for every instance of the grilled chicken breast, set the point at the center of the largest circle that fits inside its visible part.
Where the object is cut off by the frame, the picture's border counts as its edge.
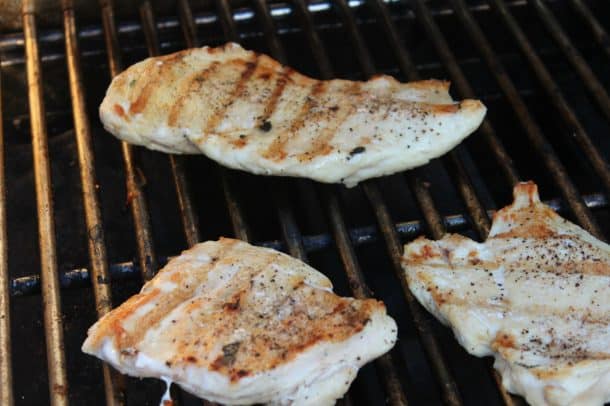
(247, 111)
(534, 295)
(239, 324)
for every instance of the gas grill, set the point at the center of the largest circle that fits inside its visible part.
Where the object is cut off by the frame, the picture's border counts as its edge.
(85, 219)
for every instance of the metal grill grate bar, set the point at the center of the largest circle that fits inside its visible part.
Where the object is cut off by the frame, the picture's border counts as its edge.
(187, 22)
(601, 36)
(56, 363)
(240, 228)
(6, 370)
(555, 96)
(100, 277)
(290, 230)
(226, 20)
(588, 78)
(135, 193)
(262, 11)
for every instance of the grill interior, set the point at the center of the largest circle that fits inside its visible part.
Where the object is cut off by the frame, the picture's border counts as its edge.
(84, 220)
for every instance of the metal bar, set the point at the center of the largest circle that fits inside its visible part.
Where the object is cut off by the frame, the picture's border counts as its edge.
(424, 200)
(78, 278)
(262, 10)
(240, 228)
(553, 91)
(532, 130)
(600, 34)
(475, 209)
(187, 22)
(226, 20)
(312, 36)
(185, 203)
(6, 368)
(54, 335)
(135, 192)
(290, 230)
(357, 41)
(93, 218)
(589, 80)
(449, 389)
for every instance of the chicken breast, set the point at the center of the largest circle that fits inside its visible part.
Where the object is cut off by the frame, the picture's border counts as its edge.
(534, 295)
(239, 324)
(247, 111)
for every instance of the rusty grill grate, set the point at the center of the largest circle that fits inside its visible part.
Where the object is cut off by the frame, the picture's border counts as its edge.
(541, 66)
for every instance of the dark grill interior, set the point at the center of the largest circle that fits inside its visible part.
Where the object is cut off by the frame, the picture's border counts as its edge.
(118, 212)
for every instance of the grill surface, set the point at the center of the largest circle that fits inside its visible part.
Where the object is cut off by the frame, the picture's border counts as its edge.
(107, 215)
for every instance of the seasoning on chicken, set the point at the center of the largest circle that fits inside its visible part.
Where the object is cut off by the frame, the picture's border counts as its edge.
(247, 111)
(534, 295)
(239, 324)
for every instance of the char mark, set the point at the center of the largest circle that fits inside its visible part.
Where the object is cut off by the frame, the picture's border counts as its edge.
(336, 117)
(159, 70)
(236, 93)
(276, 150)
(280, 85)
(193, 84)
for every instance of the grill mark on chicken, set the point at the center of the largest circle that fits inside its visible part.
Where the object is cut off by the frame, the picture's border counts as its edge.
(140, 103)
(193, 84)
(321, 144)
(276, 150)
(233, 95)
(283, 78)
(165, 64)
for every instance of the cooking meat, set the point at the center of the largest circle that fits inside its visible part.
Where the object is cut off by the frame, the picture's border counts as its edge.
(239, 324)
(534, 295)
(247, 111)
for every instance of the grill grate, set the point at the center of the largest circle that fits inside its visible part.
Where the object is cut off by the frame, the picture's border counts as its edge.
(322, 227)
